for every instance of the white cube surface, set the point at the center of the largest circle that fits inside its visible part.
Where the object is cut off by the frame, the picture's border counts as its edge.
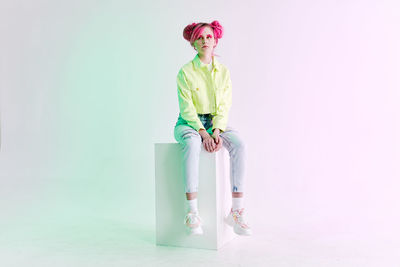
(214, 198)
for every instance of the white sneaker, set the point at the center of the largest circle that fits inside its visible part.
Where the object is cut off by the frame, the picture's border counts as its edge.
(193, 223)
(236, 219)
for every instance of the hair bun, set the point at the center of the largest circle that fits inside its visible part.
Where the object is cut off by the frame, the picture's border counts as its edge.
(187, 32)
(218, 30)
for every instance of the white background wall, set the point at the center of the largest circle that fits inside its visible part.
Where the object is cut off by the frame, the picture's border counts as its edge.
(88, 87)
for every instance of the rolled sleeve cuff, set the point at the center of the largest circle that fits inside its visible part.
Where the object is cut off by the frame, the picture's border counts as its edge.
(220, 123)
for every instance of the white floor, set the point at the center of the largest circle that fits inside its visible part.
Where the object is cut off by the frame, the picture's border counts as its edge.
(106, 243)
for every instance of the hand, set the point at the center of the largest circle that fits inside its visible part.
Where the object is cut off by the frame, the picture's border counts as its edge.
(208, 141)
(217, 139)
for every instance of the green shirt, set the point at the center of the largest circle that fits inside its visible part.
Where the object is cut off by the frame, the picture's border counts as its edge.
(201, 91)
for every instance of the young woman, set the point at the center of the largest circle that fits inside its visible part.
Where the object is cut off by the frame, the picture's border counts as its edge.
(205, 98)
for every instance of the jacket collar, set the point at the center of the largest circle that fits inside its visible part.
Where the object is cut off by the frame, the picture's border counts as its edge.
(198, 64)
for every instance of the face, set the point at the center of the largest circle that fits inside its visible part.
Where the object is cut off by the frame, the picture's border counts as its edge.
(205, 43)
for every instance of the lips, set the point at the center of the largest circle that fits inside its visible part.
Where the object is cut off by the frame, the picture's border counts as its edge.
(204, 46)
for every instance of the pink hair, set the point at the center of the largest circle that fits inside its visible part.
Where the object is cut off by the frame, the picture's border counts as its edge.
(194, 30)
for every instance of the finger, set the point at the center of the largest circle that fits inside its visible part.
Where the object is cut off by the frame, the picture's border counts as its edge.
(209, 149)
(218, 147)
(206, 146)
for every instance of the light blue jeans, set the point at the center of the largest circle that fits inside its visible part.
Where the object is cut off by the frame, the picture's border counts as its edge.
(191, 143)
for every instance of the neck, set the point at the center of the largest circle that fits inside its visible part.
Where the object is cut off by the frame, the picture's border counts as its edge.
(206, 59)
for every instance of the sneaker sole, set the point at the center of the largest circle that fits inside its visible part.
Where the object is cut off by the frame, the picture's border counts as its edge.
(194, 231)
(240, 231)
(236, 229)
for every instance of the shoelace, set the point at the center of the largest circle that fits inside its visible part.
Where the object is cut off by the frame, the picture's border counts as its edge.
(238, 216)
(191, 218)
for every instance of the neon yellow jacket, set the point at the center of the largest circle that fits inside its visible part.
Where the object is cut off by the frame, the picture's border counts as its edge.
(201, 91)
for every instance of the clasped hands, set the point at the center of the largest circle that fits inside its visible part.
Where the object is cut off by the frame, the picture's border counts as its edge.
(211, 143)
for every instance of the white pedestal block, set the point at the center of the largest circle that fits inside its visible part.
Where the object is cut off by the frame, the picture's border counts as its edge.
(214, 198)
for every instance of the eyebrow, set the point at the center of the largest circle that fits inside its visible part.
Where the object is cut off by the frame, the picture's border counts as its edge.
(206, 36)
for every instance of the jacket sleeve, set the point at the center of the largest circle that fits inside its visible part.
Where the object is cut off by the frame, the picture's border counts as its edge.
(186, 106)
(220, 120)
